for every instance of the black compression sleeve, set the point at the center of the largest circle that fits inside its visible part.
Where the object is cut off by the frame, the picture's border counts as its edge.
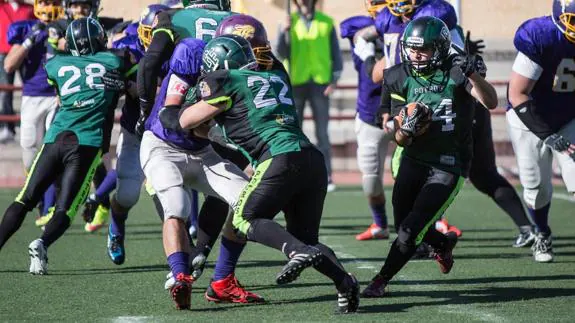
(527, 112)
(369, 65)
(158, 53)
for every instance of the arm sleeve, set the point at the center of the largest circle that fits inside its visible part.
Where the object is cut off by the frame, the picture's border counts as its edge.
(337, 61)
(283, 46)
(150, 65)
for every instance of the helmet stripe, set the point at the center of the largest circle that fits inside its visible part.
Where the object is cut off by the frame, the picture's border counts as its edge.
(89, 36)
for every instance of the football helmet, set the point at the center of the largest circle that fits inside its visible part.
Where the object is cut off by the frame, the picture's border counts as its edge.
(254, 31)
(564, 17)
(228, 52)
(147, 22)
(172, 3)
(426, 33)
(223, 5)
(48, 10)
(375, 6)
(403, 7)
(94, 8)
(85, 36)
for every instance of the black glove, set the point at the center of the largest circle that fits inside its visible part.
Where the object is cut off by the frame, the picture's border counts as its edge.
(417, 123)
(557, 142)
(472, 64)
(114, 81)
(35, 35)
(170, 117)
(473, 47)
(141, 125)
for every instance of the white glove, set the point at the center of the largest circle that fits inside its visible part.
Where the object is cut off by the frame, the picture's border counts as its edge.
(217, 135)
(364, 49)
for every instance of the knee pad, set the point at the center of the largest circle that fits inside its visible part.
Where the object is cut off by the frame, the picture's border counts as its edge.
(372, 185)
(175, 202)
(405, 240)
(537, 197)
(128, 192)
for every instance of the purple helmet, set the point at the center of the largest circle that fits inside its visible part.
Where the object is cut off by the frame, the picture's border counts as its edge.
(253, 30)
(147, 22)
(564, 17)
(172, 3)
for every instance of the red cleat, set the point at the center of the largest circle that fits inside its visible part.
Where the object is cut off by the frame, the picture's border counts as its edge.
(443, 226)
(372, 233)
(445, 257)
(181, 291)
(229, 290)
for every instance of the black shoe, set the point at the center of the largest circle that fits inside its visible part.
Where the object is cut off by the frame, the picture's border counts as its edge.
(377, 288)
(90, 207)
(348, 295)
(299, 260)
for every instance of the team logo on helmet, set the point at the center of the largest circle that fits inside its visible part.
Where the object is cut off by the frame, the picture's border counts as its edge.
(245, 31)
(445, 32)
(210, 60)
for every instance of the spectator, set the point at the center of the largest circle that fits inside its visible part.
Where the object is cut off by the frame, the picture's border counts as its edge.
(10, 11)
(310, 44)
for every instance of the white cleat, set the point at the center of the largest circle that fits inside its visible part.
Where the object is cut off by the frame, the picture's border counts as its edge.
(542, 248)
(38, 257)
(170, 281)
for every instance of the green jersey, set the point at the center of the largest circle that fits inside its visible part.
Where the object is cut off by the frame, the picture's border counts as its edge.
(193, 22)
(446, 145)
(259, 115)
(84, 103)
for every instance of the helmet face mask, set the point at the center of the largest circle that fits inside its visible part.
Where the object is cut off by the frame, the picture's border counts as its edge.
(146, 23)
(48, 10)
(223, 5)
(564, 17)
(403, 7)
(373, 7)
(85, 36)
(228, 52)
(425, 34)
(253, 31)
(76, 9)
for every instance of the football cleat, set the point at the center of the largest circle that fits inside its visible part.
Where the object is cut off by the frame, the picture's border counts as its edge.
(443, 226)
(348, 295)
(43, 220)
(423, 251)
(524, 239)
(99, 220)
(377, 288)
(38, 257)
(229, 290)
(196, 267)
(182, 291)
(116, 250)
(445, 257)
(90, 207)
(374, 232)
(299, 260)
(543, 248)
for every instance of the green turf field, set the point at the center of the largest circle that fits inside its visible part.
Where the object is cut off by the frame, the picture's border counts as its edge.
(490, 282)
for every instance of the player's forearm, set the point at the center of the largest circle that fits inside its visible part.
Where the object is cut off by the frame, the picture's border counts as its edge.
(151, 64)
(15, 58)
(483, 91)
(377, 71)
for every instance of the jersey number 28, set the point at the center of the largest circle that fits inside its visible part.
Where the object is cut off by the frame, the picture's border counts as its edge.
(92, 71)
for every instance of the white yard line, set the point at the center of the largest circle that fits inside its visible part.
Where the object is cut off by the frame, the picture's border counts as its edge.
(563, 196)
(468, 310)
(132, 319)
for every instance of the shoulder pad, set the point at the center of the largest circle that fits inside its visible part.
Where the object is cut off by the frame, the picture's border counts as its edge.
(440, 9)
(352, 25)
(187, 57)
(18, 31)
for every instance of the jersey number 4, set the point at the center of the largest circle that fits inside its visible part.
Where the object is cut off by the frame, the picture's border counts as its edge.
(260, 100)
(92, 71)
(444, 112)
(565, 76)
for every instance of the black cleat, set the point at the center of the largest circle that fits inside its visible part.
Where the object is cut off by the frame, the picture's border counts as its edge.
(377, 288)
(299, 260)
(348, 295)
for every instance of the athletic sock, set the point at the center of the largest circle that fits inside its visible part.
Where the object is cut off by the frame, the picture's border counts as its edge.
(330, 266)
(11, 222)
(49, 199)
(508, 200)
(541, 217)
(118, 223)
(178, 262)
(378, 214)
(230, 252)
(106, 187)
(395, 260)
(56, 227)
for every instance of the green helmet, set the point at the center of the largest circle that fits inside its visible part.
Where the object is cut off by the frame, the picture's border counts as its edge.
(426, 33)
(85, 36)
(223, 5)
(228, 52)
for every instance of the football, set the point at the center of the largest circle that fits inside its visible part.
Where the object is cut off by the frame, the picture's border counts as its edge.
(422, 109)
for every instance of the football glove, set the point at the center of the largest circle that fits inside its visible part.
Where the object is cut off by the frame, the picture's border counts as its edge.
(559, 143)
(35, 35)
(473, 47)
(472, 64)
(364, 49)
(417, 123)
(217, 135)
(114, 81)
(140, 127)
(170, 117)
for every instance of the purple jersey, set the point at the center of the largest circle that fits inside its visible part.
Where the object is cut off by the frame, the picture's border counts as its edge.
(34, 78)
(132, 29)
(131, 109)
(541, 41)
(185, 63)
(369, 93)
(391, 27)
